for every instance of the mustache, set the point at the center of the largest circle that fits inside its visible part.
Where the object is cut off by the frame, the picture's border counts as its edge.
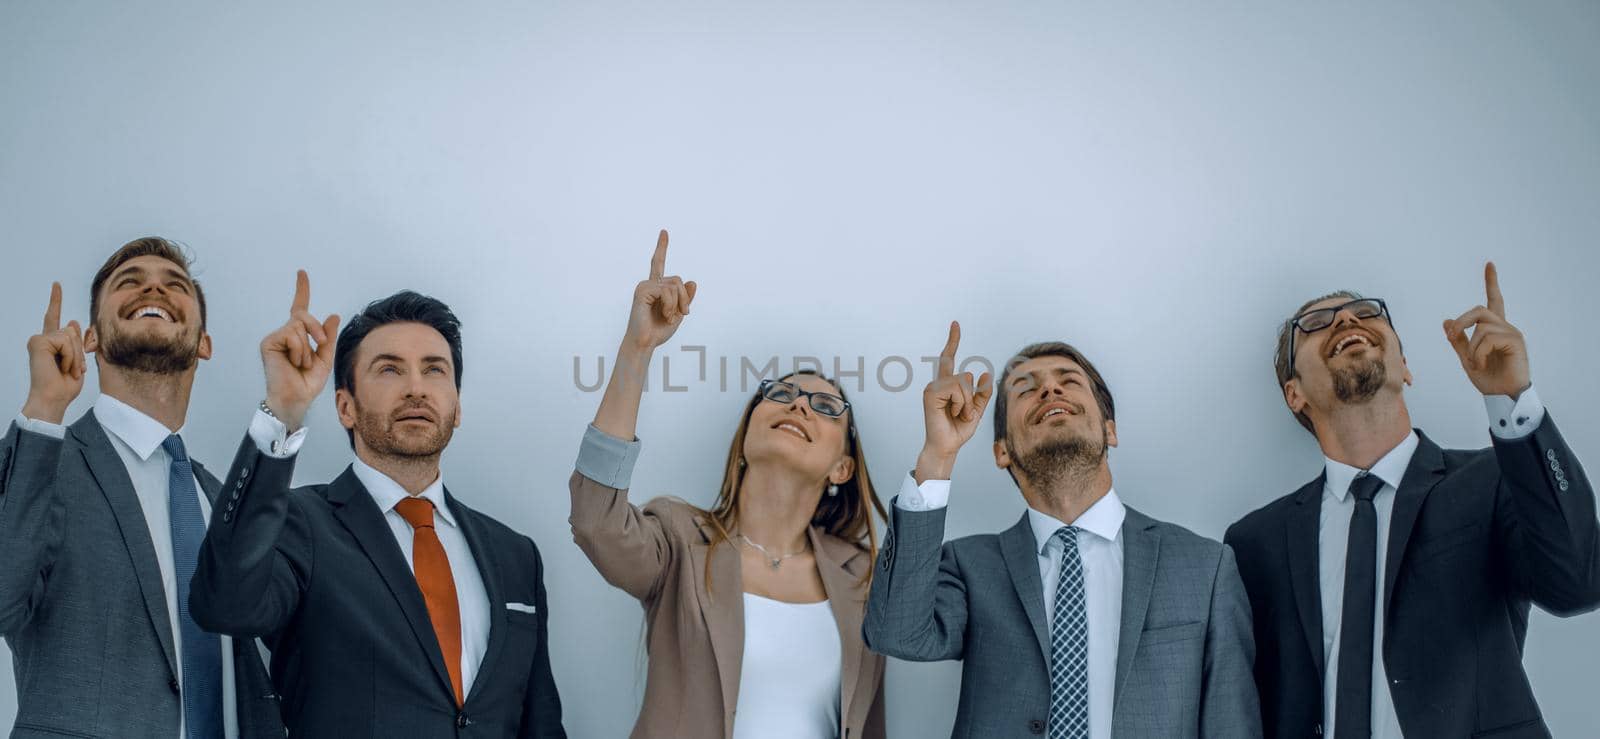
(415, 408)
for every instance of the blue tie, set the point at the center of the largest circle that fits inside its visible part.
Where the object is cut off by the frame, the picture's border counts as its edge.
(1069, 645)
(202, 652)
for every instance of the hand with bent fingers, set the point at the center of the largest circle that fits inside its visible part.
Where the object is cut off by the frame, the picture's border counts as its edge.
(1495, 356)
(296, 369)
(952, 406)
(56, 365)
(659, 304)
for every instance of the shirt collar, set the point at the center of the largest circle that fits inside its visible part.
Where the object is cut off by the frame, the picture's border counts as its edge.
(1103, 519)
(1391, 468)
(388, 493)
(140, 432)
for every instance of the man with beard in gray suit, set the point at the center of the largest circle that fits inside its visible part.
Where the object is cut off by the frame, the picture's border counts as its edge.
(1086, 618)
(101, 522)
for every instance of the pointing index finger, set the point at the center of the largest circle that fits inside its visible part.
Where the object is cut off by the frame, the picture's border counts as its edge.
(658, 262)
(947, 358)
(1491, 286)
(302, 292)
(52, 313)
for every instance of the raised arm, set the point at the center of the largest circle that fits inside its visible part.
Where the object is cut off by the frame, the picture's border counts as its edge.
(29, 454)
(257, 555)
(627, 545)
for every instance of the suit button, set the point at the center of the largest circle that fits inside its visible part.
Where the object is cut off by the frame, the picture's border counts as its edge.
(173, 683)
(1550, 454)
(235, 495)
(1563, 486)
(462, 721)
(244, 472)
(1036, 726)
(1317, 729)
(227, 517)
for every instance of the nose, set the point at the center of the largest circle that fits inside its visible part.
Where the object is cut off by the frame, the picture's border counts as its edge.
(415, 388)
(1345, 316)
(800, 405)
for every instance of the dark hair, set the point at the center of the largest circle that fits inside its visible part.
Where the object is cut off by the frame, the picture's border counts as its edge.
(405, 306)
(1097, 384)
(148, 246)
(1280, 358)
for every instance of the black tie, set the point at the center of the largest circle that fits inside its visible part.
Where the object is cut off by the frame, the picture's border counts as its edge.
(1353, 699)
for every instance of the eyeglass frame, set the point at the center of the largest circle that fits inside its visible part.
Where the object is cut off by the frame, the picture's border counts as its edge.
(1383, 312)
(806, 394)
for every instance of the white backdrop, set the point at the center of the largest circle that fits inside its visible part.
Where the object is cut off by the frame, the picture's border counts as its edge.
(1158, 185)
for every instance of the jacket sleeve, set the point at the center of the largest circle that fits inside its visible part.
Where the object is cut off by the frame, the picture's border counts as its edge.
(257, 556)
(31, 519)
(917, 609)
(629, 546)
(1545, 521)
(1229, 705)
(542, 707)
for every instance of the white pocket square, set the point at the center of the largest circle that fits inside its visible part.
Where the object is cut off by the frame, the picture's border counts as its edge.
(523, 607)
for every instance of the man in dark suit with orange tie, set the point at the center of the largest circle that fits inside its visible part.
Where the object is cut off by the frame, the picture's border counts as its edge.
(1391, 594)
(392, 609)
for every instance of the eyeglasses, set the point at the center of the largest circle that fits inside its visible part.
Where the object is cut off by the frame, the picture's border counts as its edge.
(1313, 321)
(827, 404)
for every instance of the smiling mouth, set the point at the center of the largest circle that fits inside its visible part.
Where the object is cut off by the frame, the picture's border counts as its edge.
(152, 312)
(1351, 340)
(1057, 410)
(792, 428)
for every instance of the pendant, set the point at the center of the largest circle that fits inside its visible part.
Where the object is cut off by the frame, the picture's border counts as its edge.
(775, 564)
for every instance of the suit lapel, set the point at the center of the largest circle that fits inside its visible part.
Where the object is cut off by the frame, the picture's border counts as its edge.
(1422, 474)
(1141, 553)
(489, 570)
(209, 484)
(358, 512)
(1021, 554)
(845, 600)
(1300, 541)
(723, 611)
(117, 488)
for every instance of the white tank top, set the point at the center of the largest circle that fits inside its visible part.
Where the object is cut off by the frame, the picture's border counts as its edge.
(789, 680)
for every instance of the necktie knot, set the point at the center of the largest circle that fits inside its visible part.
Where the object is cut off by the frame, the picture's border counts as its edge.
(1366, 486)
(1067, 536)
(416, 511)
(173, 445)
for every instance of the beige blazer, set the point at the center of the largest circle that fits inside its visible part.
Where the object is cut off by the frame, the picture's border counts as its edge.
(696, 642)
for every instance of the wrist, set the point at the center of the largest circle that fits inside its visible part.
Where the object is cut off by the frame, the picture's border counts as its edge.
(291, 415)
(933, 464)
(40, 410)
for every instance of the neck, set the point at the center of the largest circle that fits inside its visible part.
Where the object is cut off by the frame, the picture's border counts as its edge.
(1359, 435)
(1066, 498)
(414, 474)
(162, 397)
(776, 505)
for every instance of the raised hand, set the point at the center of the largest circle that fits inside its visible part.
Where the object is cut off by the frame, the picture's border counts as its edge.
(659, 304)
(1495, 356)
(952, 406)
(296, 369)
(55, 365)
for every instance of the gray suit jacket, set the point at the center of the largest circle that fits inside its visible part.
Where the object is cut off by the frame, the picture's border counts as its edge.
(82, 605)
(1183, 659)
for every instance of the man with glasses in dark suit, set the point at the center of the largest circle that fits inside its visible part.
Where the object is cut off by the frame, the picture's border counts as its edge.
(1391, 594)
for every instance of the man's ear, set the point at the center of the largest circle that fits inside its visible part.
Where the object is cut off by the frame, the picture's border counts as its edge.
(91, 340)
(1293, 397)
(346, 405)
(1002, 458)
(204, 350)
(1405, 370)
(1111, 433)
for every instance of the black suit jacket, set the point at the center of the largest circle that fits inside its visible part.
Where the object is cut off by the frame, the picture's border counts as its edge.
(1474, 538)
(82, 604)
(316, 572)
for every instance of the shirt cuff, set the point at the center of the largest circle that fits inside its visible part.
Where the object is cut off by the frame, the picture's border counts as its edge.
(931, 495)
(1511, 420)
(607, 459)
(43, 428)
(272, 438)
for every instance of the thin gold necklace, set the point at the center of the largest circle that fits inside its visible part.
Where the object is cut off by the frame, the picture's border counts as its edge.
(772, 561)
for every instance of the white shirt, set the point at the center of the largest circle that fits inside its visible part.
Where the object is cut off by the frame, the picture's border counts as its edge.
(1100, 551)
(789, 678)
(272, 438)
(137, 439)
(1507, 420)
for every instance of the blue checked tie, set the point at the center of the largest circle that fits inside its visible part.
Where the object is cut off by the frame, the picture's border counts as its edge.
(202, 652)
(1069, 645)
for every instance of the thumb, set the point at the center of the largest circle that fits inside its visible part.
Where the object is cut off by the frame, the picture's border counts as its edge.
(1458, 342)
(330, 328)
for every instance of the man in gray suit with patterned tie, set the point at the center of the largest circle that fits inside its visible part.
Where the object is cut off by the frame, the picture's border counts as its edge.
(101, 522)
(1087, 619)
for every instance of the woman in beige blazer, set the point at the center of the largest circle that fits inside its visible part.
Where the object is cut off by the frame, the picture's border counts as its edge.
(753, 609)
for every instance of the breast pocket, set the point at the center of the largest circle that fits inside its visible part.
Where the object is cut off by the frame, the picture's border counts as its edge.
(1171, 633)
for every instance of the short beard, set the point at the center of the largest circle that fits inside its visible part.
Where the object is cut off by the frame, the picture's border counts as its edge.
(148, 354)
(378, 433)
(1360, 382)
(1060, 461)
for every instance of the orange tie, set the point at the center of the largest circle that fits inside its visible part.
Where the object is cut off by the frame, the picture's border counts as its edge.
(432, 569)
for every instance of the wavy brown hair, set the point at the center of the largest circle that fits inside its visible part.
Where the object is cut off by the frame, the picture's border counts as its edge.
(848, 515)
